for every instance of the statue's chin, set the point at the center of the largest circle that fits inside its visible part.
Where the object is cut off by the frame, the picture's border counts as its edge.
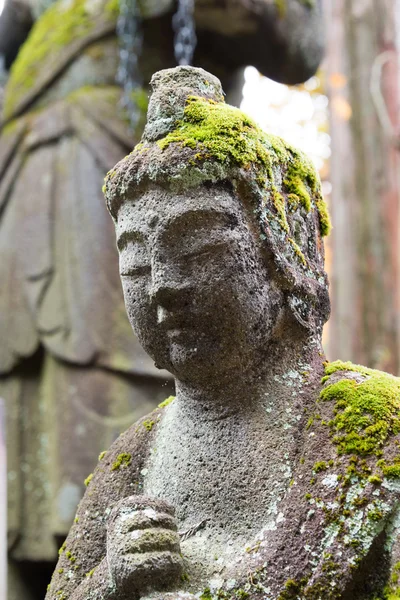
(196, 360)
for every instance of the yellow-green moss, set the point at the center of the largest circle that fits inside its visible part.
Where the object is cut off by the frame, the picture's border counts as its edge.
(102, 454)
(320, 466)
(70, 556)
(366, 413)
(123, 460)
(148, 425)
(88, 479)
(225, 134)
(366, 416)
(89, 574)
(61, 549)
(112, 7)
(298, 174)
(60, 25)
(219, 130)
(392, 590)
(166, 401)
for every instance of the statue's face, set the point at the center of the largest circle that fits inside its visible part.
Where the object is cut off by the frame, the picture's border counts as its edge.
(196, 284)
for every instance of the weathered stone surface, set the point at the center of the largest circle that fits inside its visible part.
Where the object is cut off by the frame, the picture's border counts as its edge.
(283, 469)
(72, 378)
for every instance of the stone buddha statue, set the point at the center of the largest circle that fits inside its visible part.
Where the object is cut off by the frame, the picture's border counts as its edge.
(72, 373)
(272, 474)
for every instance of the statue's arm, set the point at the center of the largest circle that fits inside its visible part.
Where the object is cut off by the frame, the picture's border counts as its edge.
(16, 21)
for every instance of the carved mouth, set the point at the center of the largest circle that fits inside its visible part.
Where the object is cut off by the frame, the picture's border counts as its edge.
(174, 324)
(177, 332)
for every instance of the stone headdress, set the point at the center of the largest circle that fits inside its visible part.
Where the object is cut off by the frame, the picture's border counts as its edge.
(193, 138)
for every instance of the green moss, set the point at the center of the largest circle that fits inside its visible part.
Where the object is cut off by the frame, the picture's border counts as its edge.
(166, 402)
(220, 131)
(61, 549)
(366, 413)
(148, 425)
(88, 479)
(391, 471)
(214, 130)
(90, 573)
(320, 466)
(297, 251)
(123, 460)
(61, 24)
(70, 556)
(102, 454)
(297, 175)
(206, 595)
(112, 8)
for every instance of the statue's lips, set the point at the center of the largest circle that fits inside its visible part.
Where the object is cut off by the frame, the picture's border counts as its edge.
(175, 324)
(176, 334)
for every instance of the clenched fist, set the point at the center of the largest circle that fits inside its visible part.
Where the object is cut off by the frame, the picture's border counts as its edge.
(143, 549)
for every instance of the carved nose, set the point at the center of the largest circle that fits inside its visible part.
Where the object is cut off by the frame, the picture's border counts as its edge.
(170, 296)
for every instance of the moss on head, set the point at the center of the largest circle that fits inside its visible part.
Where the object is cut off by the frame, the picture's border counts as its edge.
(218, 132)
(226, 134)
(191, 140)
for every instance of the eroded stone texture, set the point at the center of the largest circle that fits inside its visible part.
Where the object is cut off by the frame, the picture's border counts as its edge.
(72, 373)
(283, 469)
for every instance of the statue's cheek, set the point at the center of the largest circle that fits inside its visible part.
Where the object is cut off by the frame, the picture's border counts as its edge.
(137, 301)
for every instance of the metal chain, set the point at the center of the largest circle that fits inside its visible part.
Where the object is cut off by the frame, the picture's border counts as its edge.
(185, 32)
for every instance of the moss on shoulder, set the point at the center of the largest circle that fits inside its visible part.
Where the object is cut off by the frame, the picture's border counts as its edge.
(166, 402)
(366, 413)
(123, 460)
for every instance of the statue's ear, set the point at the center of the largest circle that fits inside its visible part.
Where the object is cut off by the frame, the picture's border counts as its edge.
(309, 307)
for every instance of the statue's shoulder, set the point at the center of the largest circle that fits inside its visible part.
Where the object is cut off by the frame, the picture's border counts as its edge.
(364, 409)
(118, 474)
(122, 464)
(350, 479)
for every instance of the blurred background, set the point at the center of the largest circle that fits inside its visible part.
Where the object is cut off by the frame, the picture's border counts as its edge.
(73, 91)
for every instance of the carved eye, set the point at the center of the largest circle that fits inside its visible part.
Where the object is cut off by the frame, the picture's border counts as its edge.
(136, 271)
(134, 261)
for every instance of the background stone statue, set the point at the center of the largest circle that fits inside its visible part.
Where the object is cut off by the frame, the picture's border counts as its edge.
(72, 373)
(273, 474)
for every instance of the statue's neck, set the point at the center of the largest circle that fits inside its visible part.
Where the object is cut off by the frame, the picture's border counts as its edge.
(285, 372)
(226, 453)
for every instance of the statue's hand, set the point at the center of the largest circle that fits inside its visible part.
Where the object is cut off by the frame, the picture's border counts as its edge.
(143, 549)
